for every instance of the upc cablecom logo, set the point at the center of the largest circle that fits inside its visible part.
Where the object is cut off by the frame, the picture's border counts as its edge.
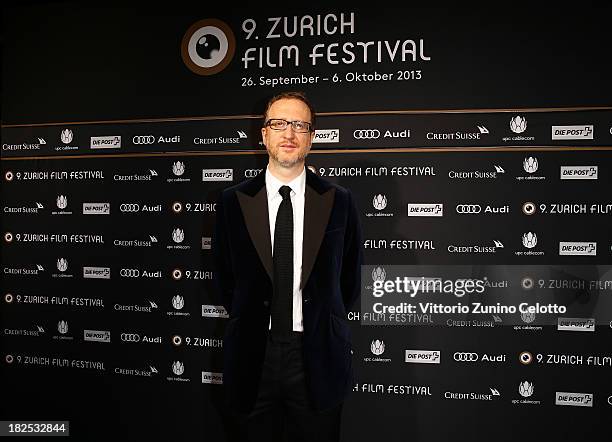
(208, 46)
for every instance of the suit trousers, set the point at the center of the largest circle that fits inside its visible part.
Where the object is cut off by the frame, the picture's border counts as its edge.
(283, 411)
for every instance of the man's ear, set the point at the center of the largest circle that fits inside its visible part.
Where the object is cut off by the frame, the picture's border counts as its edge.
(263, 135)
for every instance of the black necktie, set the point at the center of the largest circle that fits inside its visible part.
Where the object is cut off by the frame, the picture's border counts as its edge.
(282, 257)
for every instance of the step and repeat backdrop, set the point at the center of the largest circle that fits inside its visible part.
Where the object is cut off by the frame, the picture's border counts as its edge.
(478, 150)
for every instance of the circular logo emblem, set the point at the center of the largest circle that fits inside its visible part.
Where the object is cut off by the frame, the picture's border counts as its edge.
(177, 274)
(208, 46)
(177, 207)
(8, 298)
(529, 208)
(525, 358)
(177, 340)
(8, 237)
(527, 283)
(8, 175)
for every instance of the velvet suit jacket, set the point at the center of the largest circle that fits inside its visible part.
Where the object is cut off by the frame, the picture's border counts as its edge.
(330, 283)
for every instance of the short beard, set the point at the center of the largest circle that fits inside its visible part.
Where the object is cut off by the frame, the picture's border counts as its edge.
(288, 164)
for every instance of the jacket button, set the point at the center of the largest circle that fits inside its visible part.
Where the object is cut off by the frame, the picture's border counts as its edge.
(266, 303)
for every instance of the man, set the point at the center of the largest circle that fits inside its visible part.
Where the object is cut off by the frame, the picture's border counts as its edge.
(288, 253)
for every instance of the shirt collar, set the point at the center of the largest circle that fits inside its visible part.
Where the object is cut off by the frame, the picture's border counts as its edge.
(298, 184)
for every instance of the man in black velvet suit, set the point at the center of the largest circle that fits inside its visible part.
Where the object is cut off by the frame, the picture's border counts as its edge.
(288, 254)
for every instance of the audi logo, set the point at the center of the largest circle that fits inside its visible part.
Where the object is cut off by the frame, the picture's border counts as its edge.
(130, 337)
(129, 207)
(366, 134)
(465, 357)
(143, 139)
(129, 273)
(468, 208)
(250, 173)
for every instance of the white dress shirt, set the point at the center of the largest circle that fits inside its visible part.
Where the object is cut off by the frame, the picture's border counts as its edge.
(298, 188)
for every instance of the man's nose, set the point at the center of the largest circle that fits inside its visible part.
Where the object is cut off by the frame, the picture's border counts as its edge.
(289, 132)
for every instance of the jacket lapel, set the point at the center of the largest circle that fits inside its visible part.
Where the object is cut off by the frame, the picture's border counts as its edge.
(254, 204)
(318, 203)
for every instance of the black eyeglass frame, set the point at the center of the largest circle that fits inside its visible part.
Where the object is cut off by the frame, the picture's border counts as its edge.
(287, 123)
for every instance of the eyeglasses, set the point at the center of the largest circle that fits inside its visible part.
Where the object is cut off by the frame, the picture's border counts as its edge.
(297, 125)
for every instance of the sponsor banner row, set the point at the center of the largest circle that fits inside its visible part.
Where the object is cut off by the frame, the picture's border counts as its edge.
(523, 296)
(526, 394)
(531, 244)
(179, 371)
(181, 172)
(176, 370)
(351, 131)
(382, 204)
(177, 302)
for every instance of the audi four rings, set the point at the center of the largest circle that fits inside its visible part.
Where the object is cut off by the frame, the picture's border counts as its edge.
(130, 337)
(465, 357)
(129, 273)
(143, 139)
(468, 208)
(250, 173)
(366, 134)
(129, 207)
